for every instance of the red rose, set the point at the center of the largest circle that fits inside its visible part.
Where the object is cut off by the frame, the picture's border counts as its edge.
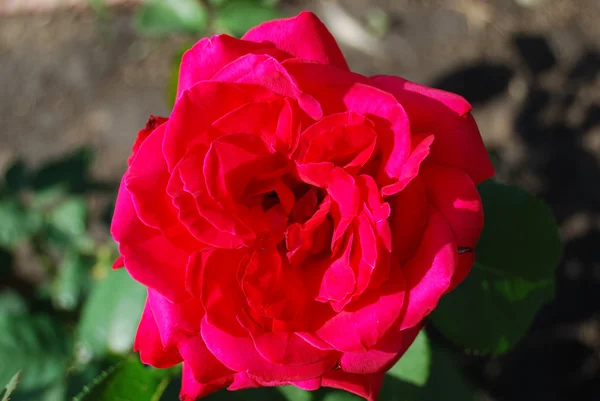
(294, 222)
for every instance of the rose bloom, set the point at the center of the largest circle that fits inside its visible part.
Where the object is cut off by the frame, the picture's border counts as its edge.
(295, 222)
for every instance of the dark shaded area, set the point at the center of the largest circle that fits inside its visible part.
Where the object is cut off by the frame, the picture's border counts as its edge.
(559, 360)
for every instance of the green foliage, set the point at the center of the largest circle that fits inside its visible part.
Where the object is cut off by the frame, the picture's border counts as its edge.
(10, 387)
(159, 17)
(129, 380)
(414, 365)
(35, 344)
(512, 278)
(236, 17)
(117, 301)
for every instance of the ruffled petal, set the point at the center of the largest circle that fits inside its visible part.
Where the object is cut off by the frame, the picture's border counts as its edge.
(146, 181)
(316, 43)
(148, 344)
(236, 351)
(209, 55)
(267, 72)
(363, 323)
(458, 142)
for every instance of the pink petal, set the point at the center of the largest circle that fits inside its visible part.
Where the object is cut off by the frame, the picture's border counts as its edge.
(284, 348)
(175, 320)
(366, 386)
(149, 257)
(429, 272)
(408, 219)
(237, 352)
(267, 72)
(363, 323)
(187, 127)
(316, 42)
(421, 149)
(455, 196)
(203, 364)
(146, 181)
(192, 390)
(382, 356)
(152, 123)
(445, 115)
(148, 343)
(209, 55)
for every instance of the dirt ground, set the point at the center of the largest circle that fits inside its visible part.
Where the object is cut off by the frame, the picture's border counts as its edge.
(530, 67)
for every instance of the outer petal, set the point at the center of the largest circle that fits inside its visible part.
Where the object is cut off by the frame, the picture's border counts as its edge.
(381, 357)
(453, 194)
(146, 181)
(237, 352)
(149, 257)
(192, 390)
(366, 386)
(429, 272)
(205, 367)
(362, 324)
(209, 55)
(148, 344)
(446, 115)
(303, 36)
(175, 321)
(152, 123)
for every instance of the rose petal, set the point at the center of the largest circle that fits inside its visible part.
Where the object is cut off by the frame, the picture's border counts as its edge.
(408, 219)
(187, 128)
(209, 55)
(283, 347)
(267, 72)
(192, 390)
(148, 344)
(237, 352)
(366, 386)
(203, 364)
(367, 320)
(382, 356)
(455, 196)
(175, 321)
(429, 272)
(149, 257)
(446, 115)
(146, 181)
(152, 123)
(316, 42)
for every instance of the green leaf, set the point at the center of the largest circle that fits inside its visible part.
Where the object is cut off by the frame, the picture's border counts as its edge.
(72, 280)
(414, 365)
(130, 380)
(17, 223)
(512, 278)
(238, 16)
(445, 381)
(70, 217)
(292, 393)
(339, 395)
(160, 17)
(37, 346)
(10, 386)
(11, 303)
(110, 316)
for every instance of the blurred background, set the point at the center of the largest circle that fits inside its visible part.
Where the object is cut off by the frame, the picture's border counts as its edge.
(79, 78)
